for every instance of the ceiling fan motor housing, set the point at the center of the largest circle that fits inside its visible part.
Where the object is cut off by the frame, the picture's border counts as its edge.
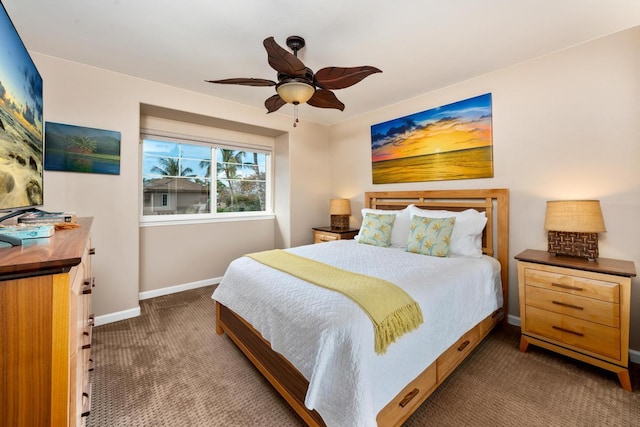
(295, 43)
(307, 78)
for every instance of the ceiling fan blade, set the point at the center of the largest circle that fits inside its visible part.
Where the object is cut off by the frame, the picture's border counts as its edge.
(282, 60)
(274, 103)
(244, 82)
(342, 77)
(324, 98)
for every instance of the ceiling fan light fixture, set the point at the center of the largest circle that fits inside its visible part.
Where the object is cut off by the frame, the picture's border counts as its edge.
(295, 92)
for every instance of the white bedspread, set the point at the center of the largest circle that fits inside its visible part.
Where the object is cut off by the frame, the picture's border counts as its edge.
(330, 340)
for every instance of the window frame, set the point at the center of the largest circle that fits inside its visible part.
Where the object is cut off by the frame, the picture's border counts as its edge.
(215, 145)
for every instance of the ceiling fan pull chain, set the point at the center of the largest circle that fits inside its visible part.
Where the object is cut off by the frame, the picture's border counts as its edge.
(295, 115)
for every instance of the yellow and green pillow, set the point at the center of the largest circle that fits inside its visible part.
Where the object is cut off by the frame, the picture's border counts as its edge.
(376, 229)
(430, 236)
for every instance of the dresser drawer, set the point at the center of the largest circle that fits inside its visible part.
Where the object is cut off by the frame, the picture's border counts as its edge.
(75, 308)
(594, 310)
(573, 284)
(582, 334)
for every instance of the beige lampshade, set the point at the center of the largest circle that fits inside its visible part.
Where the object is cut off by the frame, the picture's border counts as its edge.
(582, 216)
(339, 207)
(295, 92)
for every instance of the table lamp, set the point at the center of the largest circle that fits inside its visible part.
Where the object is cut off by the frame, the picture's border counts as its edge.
(340, 209)
(573, 227)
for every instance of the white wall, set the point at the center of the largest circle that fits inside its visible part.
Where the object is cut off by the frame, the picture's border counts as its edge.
(565, 126)
(86, 96)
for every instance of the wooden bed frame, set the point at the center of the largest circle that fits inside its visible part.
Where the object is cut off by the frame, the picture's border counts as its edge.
(290, 383)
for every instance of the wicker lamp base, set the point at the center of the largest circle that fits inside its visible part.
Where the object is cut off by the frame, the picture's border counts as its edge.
(340, 222)
(581, 245)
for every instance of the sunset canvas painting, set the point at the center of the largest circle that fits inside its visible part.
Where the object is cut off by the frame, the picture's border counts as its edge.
(444, 143)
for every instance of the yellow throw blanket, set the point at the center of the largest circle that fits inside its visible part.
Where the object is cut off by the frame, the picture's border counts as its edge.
(392, 311)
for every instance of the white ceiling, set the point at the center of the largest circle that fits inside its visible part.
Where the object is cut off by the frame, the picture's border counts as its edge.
(420, 45)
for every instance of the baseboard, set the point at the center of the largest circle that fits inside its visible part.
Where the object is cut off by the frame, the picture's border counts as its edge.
(117, 316)
(513, 320)
(178, 288)
(135, 312)
(634, 355)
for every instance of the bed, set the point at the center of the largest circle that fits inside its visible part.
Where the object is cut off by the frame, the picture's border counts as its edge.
(321, 356)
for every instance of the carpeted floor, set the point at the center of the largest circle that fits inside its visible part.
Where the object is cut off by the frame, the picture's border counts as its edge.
(169, 368)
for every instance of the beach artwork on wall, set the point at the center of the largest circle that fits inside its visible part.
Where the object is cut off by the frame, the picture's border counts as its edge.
(80, 149)
(444, 143)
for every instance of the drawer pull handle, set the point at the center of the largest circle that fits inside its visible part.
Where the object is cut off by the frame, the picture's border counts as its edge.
(567, 330)
(464, 345)
(87, 284)
(563, 286)
(86, 400)
(564, 304)
(413, 393)
(87, 333)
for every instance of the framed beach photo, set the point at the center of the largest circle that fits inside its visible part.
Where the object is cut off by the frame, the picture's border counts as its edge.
(443, 143)
(80, 149)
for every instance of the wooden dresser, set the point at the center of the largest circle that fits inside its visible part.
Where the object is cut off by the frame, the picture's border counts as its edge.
(577, 308)
(45, 329)
(327, 234)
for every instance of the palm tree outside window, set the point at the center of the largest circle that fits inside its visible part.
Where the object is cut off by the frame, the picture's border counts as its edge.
(177, 179)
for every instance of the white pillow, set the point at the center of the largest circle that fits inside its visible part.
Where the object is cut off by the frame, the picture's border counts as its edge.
(400, 230)
(466, 238)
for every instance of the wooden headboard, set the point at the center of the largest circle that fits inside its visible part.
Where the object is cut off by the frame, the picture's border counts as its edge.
(494, 202)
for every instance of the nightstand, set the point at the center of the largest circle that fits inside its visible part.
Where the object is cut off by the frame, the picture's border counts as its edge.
(327, 234)
(577, 308)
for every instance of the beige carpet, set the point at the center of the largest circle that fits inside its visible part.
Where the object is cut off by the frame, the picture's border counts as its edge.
(169, 368)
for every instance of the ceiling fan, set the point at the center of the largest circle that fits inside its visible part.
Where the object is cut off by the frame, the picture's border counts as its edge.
(297, 83)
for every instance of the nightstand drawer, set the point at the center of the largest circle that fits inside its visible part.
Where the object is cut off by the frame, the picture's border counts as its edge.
(320, 237)
(328, 234)
(575, 285)
(603, 312)
(579, 333)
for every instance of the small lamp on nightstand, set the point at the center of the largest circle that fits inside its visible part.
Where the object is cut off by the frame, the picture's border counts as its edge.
(573, 227)
(340, 209)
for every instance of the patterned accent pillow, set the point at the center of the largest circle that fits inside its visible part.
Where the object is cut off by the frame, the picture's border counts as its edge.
(466, 238)
(430, 236)
(400, 230)
(376, 229)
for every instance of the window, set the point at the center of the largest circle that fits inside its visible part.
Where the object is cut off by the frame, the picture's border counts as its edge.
(177, 179)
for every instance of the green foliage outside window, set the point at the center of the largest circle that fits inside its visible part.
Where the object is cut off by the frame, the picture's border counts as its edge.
(177, 179)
